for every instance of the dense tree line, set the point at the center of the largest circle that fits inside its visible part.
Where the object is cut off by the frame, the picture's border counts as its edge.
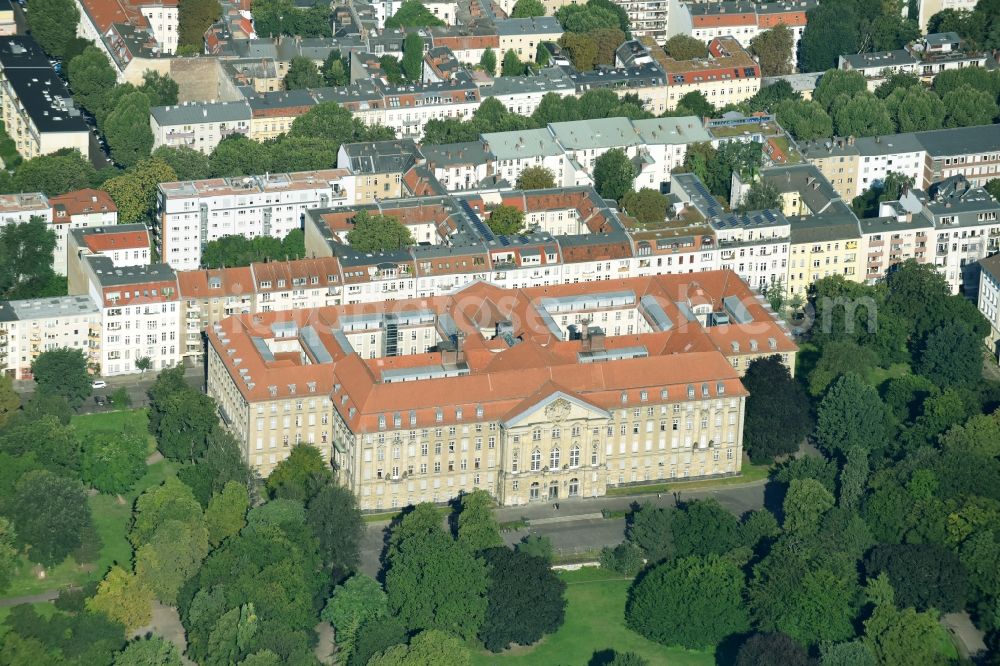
(242, 251)
(852, 26)
(865, 545)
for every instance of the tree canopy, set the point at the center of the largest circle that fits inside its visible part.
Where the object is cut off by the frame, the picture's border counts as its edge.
(378, 233)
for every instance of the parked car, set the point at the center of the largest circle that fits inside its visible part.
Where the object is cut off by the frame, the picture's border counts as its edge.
(99, 384)
(99, 399)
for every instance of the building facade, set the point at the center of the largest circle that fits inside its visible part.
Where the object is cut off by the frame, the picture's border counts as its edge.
(409, 418)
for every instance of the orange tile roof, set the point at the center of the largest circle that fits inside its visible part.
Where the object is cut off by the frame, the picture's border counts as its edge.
(500, 378)
(116, 240)
(82, 202)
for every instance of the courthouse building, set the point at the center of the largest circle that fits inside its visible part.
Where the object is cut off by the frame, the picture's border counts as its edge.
(531, 394)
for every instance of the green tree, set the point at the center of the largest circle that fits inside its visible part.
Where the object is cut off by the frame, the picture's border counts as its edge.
(536, 546)
(805, 503)
(968, 106)
(159, 88)
(151, 651)
(171, 501)
(134, 192)
(187, 419)
(10, 401)
(625, 558)
(334, 518)
(837, 82)
(221, 463)
(194, 17)
(477, 527)
(226, 513)
(237, 155)
(301, 475)
(837, 358)
(915, 109)
(391, 69)
(608, 40)
(303, 73)
(582, 50)
(505, 220)
(375, 637)
(62, 372)
(861, 115)
(923, 575)
(428, 648)
(614, 174)
(685, 47)
(952, 356)
(852, 653)
(776, 648)
(511, 65)
(52, 23)
(809, 602)
(54, 174)
(525, 600)
(542, 178)
(434, 582)
(900, 638)
(171, 557)
(114, 461)
(413, 56)
(378, 233)
(692, 602)
(187, 163)
(628, 659)
(853, 478)
(695, 103)
(647, 206)
(777, 411)
(488, 61)
(527, 9)
(584, 18)
(773, 49)
(124, 598)
(761, 195)
(90, 75)
(852, 414)
(896, 81)
(127, 129)
(703, 527)
(8, 553)
(413, 14)
(26, 251)
(831, 31)
(649, 527)
(336, 70)
(358, 600)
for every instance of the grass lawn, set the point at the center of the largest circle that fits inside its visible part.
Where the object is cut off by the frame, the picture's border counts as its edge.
(595, 621)
(748, 474)
(111, 516)
(117, 421)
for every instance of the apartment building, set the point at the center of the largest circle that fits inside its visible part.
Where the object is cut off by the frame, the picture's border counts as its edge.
(728, 76)
(198, 125)
(952, 224)
(740, 19)
(523, 35)
(457, 394)
(377, 168)
(272, 113)
(754, 245)
(20, 208)
(459, 166)
(926, 58)
(192, 213)
(140, 315)
(158, 19)
(124, 244)
(82, 209)
(8, 26)
(38, 111)
(523, 94)
(972, 152)
(989, 298)
(33, 326)
(928, 8)
(824, 236)
(854, 166)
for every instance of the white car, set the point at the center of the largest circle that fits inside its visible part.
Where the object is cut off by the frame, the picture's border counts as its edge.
(99, 384)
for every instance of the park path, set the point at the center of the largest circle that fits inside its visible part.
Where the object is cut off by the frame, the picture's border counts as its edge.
(47, 595)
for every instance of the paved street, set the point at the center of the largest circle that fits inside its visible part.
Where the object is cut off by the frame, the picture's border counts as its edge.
(575, 527)
(136, 385)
